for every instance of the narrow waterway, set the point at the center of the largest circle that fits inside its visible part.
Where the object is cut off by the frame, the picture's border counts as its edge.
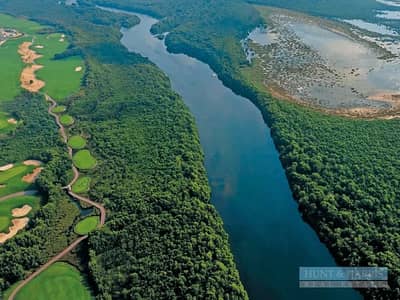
(249, 188)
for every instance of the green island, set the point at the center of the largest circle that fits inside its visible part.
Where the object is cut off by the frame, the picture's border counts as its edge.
(76, 142)
(82, 185)
(87, 225)
(84, 160)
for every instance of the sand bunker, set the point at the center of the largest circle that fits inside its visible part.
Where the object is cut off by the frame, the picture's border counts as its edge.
(61, 40)
(29, 81)
(6, 167)
(28, 77)
(78, 69)
(28, 56)
(17, 225)
(39, 47)
(12, 121)
(2, 186)
(32, 162)
(32, 177)
(22, 211)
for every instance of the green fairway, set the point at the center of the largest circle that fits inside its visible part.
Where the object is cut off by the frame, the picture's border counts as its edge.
(60, 75)
(10, 61)
(12, 179)
(84, 160)
(66, 120)
(11, 67)
(59, 109)
(8, 205)
(77, 142)
(82, 185)
(20, 24)
(4, 223)
(87, 225)
(60, 281)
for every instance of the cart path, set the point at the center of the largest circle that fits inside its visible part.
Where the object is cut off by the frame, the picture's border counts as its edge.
(19, 194)
(46, 265)
(100, 207)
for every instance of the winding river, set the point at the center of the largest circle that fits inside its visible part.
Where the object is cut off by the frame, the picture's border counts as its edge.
(268, 237)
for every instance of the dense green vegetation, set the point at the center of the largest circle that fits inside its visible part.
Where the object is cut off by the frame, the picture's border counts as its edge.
(84, 160)
(82, 185)
(77, 142)
(87, 225)
(59, 282)
(344, 172)
(48, 232)
(8, 205)
(163, 239)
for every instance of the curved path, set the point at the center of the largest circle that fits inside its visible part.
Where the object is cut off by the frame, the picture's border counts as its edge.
(19, 194)
(73, 195)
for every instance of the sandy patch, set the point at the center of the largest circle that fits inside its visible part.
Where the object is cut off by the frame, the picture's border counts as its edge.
(2, 186)
(6, 167)
(29, 81)
(61, 40)
(32, 162)
(78, 69)
(39, 47)
(32, 177)
(28, 78)
(12, 121)
(22, 211)
(17, 225)
(28, 56)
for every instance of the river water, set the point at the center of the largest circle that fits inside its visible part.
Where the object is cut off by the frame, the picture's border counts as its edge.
(249, 189)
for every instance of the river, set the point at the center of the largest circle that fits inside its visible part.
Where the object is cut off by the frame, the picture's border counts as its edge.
(268, 237)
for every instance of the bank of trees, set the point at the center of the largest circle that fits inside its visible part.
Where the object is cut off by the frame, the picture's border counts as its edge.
(344, 172)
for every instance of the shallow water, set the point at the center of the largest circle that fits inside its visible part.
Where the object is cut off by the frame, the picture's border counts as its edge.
(328, 68)
(249, 188)
(372, 27)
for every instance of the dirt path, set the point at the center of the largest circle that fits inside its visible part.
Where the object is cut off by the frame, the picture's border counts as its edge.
(100, 207)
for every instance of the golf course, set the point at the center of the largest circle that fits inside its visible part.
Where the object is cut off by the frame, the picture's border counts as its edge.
(34, 60)
(60, 281)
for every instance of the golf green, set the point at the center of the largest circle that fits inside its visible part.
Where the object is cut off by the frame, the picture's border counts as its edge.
(87, 225)
(60, 281)
(66, 120)
(84, 160)
(59, 109)
(82, 185)
(77, 142)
